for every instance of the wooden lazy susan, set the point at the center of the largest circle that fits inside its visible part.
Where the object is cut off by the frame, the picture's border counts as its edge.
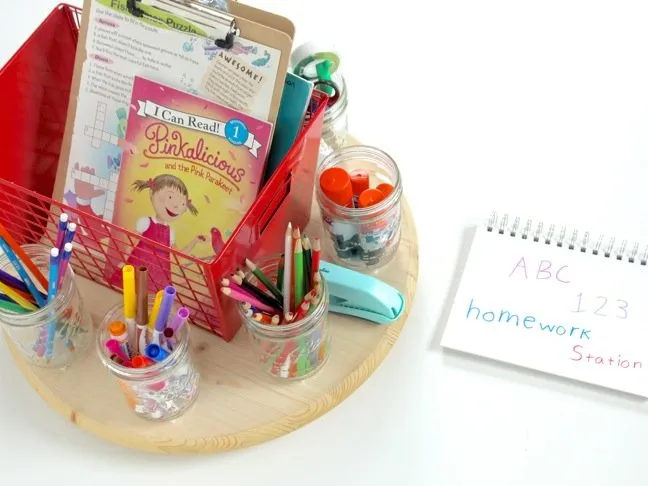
(238, 405)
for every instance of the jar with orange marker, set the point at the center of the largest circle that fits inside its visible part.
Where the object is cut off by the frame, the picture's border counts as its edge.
(359, 191)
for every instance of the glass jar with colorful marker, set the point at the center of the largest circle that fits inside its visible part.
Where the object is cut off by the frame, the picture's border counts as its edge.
(44, 317)
(144, 343)
(283, 301)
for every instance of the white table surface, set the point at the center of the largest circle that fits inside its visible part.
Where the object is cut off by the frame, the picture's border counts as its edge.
(537, 108)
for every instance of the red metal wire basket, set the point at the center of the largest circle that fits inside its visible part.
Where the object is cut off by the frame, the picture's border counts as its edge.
(35, 84)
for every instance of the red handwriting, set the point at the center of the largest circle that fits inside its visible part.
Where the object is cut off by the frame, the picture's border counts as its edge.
(167, 144)
(578, 354)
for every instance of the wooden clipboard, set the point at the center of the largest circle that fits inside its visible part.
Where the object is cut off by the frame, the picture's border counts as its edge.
(251, 24)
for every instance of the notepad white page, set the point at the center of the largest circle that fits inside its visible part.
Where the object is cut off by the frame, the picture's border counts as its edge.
(564, 312)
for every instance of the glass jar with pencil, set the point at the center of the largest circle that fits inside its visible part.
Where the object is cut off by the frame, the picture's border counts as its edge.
(44, 317)
(283, 301)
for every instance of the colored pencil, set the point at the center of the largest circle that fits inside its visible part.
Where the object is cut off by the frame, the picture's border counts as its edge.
(264, 279)
(234, 294)
(51, 295)
(315, 259)
(299, 272)
(250, 288)
(17, 298)
(15, 283)
(280, 271)
(65, 260)
(287, 275)
(13, 259)
(306, 246)
(20, 253)
(9, 305)
(60, 235)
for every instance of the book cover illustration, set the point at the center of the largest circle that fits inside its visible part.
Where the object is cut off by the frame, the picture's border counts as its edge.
(193, 172)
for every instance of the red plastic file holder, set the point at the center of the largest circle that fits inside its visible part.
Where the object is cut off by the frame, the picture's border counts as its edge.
(35, 85)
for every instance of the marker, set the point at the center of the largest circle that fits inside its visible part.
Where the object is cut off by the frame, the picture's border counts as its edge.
(65, 260)
(62, 226)
(69, 233)
(179, 320)
(141, 281)
(113, 348)
(168, 337)
(130, 305)
(164, 313)
(13, 259)
(142, 362)
(154, 313)
(119, 333)
(156, 353)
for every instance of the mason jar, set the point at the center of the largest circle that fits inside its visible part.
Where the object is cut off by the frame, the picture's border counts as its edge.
(362, 237)
(56, 334)
(161, 391)
(295, 350)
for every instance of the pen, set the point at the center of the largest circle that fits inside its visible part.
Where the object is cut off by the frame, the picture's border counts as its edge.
(22, 272)
(141, 281)
(164, 313)
(62, 226)
(130, 305)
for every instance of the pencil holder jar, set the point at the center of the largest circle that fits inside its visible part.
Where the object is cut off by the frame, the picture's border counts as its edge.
(292, 350)
(51, 336)
(160, 384)
(359, 194)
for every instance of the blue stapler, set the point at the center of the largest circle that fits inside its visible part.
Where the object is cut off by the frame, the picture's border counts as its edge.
(359, 295)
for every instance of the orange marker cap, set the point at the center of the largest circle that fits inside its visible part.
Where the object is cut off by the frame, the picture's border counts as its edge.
(386, 189)
(117, 328)
(359, 181)
(370, 197)
(336, 185)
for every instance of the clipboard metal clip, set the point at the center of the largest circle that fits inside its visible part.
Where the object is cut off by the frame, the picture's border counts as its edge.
(192, 11)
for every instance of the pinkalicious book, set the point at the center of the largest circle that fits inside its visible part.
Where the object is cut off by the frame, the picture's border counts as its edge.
(193, 169)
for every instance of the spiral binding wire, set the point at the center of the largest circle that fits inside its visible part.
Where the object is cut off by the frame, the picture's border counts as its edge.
(566, 237)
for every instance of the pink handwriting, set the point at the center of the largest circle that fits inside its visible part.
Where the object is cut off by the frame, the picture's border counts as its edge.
(542, 272)
(609, 361)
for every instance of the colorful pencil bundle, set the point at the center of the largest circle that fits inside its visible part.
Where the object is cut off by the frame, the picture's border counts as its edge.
(294, 294)
(146, 337)
(31, 290)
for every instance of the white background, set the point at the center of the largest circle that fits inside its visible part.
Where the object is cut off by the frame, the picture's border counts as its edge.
(537, 108)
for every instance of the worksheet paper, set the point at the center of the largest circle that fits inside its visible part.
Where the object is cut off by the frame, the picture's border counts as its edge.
(120, 47)
(562, 311)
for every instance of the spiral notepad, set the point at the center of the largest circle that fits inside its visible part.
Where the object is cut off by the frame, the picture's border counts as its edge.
(557, 300)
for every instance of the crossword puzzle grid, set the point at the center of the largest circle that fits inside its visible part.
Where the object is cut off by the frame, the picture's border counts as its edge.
(97, 133)
(108, 185)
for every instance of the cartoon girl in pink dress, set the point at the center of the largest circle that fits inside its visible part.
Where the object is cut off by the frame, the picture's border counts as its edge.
(170, 200)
